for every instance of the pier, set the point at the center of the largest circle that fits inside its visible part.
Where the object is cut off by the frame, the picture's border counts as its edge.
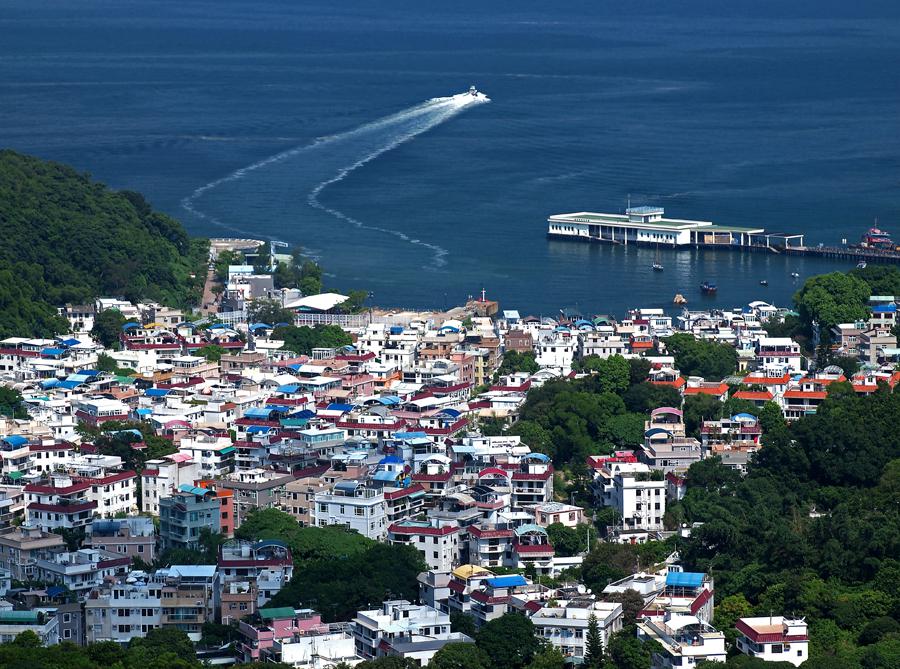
(646, 226)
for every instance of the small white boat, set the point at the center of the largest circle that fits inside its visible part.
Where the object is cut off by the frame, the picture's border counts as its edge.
(478, 95)
(861, 264)
(795, 275)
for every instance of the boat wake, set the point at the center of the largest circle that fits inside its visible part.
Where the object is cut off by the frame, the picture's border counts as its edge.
(333, 157)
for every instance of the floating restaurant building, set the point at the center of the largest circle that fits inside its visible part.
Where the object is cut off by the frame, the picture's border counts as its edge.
(647, 226)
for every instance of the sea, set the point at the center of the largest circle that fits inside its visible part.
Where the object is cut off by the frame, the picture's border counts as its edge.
(326, 125)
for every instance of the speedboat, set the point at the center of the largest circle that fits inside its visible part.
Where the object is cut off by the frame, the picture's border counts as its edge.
(478, 95)
(708, 288)
(657, 267)
(861, 264)
(795, 275)
(763, 283)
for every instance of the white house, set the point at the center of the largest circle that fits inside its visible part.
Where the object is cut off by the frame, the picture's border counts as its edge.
(773, 639)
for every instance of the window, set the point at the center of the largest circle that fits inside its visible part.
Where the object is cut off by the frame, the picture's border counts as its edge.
(777, 648)
(67, 617)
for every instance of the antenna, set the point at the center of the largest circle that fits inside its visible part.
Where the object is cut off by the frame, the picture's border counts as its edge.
(629, 202)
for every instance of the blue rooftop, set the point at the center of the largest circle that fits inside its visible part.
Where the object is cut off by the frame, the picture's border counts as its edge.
(258, 412)
(53, 351)
(258, 429)
(339, 407)
(684, 579)
(511, 581)
(14, 440)
(156, 392)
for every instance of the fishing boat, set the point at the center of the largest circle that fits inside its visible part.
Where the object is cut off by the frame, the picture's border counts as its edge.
(679, 299)
(708, 288)
(657, 264)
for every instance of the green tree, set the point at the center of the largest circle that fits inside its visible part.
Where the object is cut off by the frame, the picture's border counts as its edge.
(645, 397)
(568, 541)
(27, 639)
(550, 657)
(632, 604)
(699, 357)
(509, 641)
(463, 623)
(165, 640)
(302, 340)
(11, 403)
(534, 435)
(513, 361)
(626, 652)
(460, 656)
(727, 613)
(108, 326)
(264, 310)
(593, 645)
(212, 352)
(833, 298)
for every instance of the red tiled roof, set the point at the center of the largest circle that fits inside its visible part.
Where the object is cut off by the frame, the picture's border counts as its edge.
(762, 637)
(753, 395)
(63, 508)
(397, 494)
(399, 528)
(720, 389)
(476, 531)
(805, 394)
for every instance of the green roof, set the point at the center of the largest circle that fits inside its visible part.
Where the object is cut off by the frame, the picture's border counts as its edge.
(294, 422)
(18, 616)
(15, 476)
(280, 612)
(124, 379)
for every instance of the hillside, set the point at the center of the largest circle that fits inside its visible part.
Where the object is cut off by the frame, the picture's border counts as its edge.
(67, 238)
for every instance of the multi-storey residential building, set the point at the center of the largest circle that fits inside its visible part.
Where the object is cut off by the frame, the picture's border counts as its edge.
(80, 570)
(464, 580)
(133, 537)
(684, 640)
(402, 629)
(266, 565)
(59, 503)
(13, 623)
(773, 639)
(183, 515)
(214, 455)
(189, 596)
(162, 477)
(549, 513)
(97, 411)
(565, 624)
(602, 343)
(438, 542)
(122, 611)
(683, 593)
(21, 547)
(778, 353)
(254, 489)
(639, 498)
(354, 505)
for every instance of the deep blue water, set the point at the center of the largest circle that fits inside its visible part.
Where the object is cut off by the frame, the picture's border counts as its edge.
(744, 113)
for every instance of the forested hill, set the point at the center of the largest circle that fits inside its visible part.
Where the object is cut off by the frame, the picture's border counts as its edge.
(66, 238)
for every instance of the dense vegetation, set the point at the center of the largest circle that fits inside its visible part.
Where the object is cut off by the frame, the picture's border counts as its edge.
(813, 529)
(160, 649)
(699, 357)
(69, 239)
(303, 340)
(336, 571)
(571, 419)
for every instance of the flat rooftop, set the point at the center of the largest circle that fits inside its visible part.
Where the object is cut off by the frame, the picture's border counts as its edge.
(669, 223)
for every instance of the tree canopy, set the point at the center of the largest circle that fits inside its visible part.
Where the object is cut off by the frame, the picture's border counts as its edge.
(69, 239)
(303, 340)
(699, 357)
(829, 299)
